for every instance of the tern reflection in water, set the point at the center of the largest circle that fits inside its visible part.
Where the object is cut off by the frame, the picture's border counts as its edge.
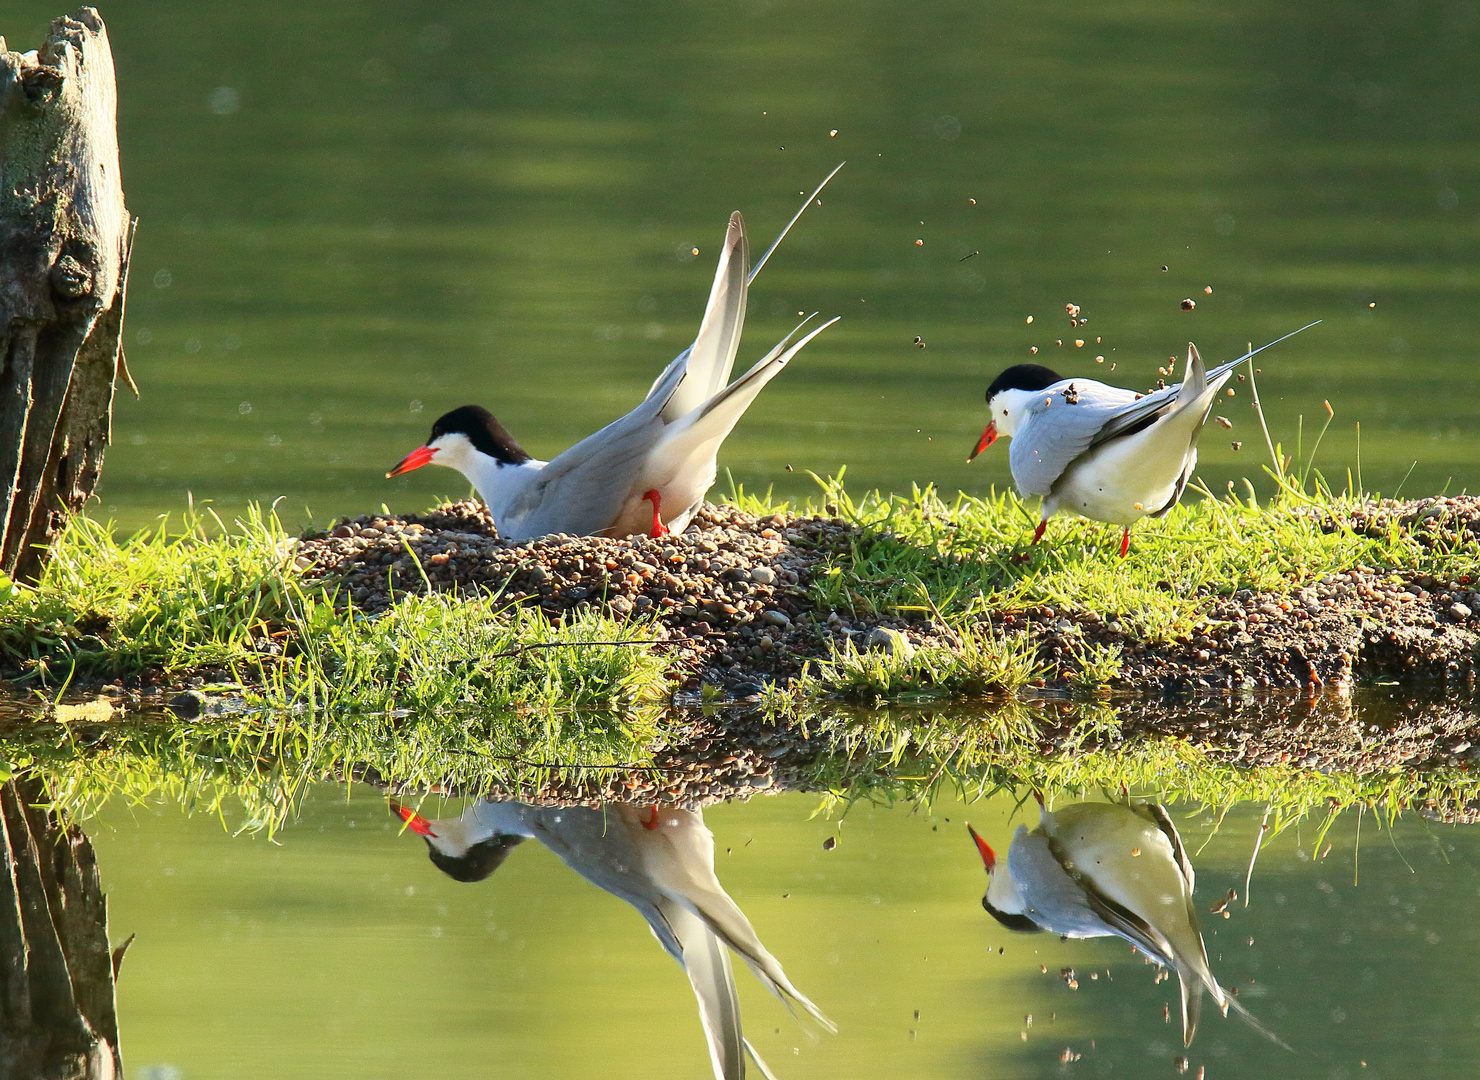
(659, 861)
(1109, 869)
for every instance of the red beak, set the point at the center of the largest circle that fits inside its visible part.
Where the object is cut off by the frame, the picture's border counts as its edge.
(414, 821)
(988, 855)
(422, 455)
(988, 438)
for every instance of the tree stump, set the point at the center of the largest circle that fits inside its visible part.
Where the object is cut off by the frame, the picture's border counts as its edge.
(58, 1014)
(65, 238)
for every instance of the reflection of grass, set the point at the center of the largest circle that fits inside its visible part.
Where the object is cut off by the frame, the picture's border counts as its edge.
(264, 761)
(904, 754)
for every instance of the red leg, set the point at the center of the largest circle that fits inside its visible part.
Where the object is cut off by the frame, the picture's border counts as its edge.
(1125, 541)
(658, 529)
(1038, 532)
(652, 821)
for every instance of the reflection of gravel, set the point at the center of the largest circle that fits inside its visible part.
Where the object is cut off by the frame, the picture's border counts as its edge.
(733, 600)
(709, 759)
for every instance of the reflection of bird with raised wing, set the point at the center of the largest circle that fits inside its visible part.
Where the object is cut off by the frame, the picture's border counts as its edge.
(661, 861)
(1108, 869)
(1099, 451)
(646, 472)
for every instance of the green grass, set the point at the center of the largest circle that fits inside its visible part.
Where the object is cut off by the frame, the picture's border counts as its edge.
(975, 664)
(971, 557)
(199, 595)
(174, 601)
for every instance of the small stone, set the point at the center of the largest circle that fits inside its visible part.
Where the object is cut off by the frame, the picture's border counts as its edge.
(891, 642)
(538, 576)
(830, 843)
(776, 618)
(762, 575)
(1459, 612)
(622, 606)
(188, 705)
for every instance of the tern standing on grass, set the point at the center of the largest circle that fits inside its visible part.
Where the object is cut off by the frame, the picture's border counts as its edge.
(1099, 451)
(647, 472)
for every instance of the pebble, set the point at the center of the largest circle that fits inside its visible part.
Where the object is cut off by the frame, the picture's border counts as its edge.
(776, 618)
(1459, 612)
(762, 575)
(188, 705)
(890, 641)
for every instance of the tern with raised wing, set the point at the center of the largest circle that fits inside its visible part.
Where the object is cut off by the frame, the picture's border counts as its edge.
(659, 860)
(1109, 869)
(647, 472)
(1099, 451)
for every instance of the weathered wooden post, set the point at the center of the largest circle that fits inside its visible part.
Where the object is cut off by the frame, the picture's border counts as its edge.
(64, 246)
(58, 1016)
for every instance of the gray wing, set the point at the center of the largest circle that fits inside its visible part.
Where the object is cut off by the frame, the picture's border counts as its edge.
(1163, 820)
(600, 852)
(1053, 899)
(1060, 426)
(1089, 416)
(584, 487)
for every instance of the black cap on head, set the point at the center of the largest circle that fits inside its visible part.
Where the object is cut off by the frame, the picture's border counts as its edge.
(480, 860)
(483, 431)
(1021, 923)
(1023, 377)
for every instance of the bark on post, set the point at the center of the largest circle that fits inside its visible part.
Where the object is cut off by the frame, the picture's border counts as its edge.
(64, 245)
(58, 1015)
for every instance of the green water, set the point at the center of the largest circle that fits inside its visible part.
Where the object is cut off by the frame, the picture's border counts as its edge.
(338, 950)
(354, 216)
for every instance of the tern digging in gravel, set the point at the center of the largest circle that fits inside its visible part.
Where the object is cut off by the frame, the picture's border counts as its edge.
(1099, 451)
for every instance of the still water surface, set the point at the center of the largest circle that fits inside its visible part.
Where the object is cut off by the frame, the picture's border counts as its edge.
(338, 949)
(354, 217)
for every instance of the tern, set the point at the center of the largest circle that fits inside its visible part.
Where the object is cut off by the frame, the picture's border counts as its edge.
(661, 861)
(1099, 451)
(1109, 870)
(647, 472)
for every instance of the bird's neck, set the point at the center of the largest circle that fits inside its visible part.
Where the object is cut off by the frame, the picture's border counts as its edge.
(486, 818)
(501, 485)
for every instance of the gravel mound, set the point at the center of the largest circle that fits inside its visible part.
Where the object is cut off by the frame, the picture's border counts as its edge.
(731, 594)
(734, 601)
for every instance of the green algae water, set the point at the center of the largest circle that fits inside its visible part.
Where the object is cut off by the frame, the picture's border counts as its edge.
(337, 949)
(353, 219)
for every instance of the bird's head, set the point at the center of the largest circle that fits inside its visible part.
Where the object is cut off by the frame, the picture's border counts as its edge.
(1002, 900)
(1007, 396)
(452, 850)
(459, 438)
